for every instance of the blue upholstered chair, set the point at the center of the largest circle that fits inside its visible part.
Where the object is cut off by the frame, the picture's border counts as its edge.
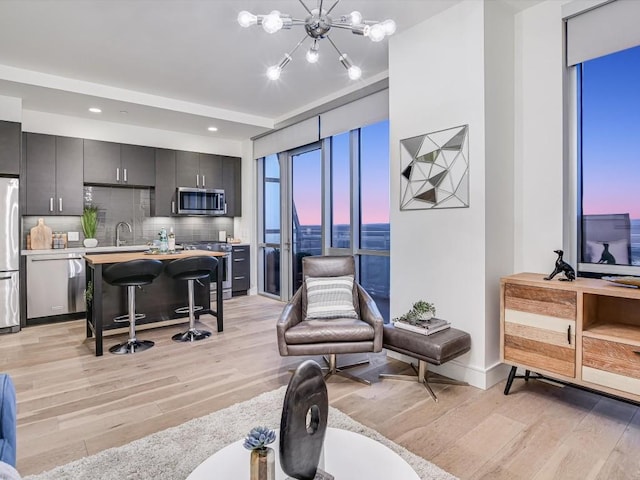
(7, 420)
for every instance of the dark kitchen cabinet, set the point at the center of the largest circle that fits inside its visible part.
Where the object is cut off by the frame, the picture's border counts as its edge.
(69, 176)
(232, 184)
(241, 269)
(102, 162)
(10, 148)
(138, 165)
(187, 169)
(54, 175)
(210, 171)
(165, 195)
(109, 163)
(198, 170)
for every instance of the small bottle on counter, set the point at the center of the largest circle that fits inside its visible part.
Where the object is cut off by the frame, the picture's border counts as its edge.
(171, 240)
(164, 242)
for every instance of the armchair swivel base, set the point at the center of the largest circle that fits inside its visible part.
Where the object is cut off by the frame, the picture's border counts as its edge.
(333, 369)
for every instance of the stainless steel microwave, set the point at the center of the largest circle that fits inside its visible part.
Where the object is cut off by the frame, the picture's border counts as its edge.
(201, 201)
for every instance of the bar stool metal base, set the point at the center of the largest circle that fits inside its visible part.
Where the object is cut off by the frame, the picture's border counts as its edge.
(191, 335)
(131, 347)
(422, 376)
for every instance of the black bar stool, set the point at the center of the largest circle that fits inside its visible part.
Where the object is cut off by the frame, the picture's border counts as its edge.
(191, 269)
(132, 274)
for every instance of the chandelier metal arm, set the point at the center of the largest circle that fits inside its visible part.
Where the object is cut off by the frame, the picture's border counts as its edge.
(334, 46)
(333, 6)
(306, 8)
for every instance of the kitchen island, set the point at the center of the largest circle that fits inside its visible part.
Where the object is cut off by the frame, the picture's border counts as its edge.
(158, 301)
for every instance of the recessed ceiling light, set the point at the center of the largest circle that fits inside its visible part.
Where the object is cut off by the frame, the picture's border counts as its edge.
(95, 110)
(123, 112)
(212, 129)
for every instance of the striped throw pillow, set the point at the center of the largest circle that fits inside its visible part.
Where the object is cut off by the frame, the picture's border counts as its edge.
(330, 297)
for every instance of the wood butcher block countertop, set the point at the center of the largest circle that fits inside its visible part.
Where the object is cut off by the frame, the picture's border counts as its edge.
(126, 256)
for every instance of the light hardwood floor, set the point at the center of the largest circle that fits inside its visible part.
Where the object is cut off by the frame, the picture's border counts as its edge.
(72, 404)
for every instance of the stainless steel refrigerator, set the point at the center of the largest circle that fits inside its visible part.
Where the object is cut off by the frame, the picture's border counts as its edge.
(9, 256)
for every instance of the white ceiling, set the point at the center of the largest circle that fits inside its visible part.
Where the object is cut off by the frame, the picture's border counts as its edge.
(182, 64)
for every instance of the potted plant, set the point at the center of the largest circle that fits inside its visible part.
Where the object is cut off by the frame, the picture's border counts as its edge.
(421, 310)
(89, 222)
(262, 457)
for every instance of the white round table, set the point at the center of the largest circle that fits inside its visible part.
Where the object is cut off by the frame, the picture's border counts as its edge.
(347, 455)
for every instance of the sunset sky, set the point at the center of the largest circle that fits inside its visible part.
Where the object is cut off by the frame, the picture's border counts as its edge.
(611, 134)
(374, 178)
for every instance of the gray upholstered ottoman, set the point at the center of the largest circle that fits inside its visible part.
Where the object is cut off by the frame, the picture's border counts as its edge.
(437, 348)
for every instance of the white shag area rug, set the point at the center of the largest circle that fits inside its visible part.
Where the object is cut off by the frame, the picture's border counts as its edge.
(174, 453)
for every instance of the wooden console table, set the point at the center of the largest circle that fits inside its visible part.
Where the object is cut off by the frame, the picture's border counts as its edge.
(585, 332)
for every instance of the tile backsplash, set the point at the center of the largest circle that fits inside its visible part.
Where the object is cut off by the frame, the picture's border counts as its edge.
(131, 205)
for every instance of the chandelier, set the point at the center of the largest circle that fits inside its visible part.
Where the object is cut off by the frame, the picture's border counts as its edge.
(318, 25)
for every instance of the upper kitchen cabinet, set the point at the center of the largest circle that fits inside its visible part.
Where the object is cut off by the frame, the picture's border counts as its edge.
(232, 184)
(165, 195)
(54, 175)
(199, 170)
(210, 171)
(138, 165)
(187, 169)
(9, 148)
(108, 163)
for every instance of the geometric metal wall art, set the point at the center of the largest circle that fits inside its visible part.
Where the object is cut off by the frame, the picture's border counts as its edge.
(434, 170)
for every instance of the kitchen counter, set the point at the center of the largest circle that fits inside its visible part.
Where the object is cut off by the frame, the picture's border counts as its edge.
(83, 250)
(158, 301)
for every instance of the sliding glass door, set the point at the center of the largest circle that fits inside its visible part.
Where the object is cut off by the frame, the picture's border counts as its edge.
(327, 198)
(306, 208)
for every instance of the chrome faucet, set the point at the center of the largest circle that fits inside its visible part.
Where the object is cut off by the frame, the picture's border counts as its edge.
(118, 241)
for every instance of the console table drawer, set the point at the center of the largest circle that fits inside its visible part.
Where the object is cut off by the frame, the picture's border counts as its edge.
(620, 358)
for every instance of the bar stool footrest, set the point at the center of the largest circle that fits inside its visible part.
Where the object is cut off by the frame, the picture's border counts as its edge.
(125, 318)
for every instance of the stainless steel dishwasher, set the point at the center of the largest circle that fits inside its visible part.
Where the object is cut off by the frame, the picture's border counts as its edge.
(55, 284)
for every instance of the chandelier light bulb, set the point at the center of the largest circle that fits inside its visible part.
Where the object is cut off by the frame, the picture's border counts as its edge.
(272, 22)
(273, 72)
(356, 18)
(377, 32)
(246, 19)
(389, 27)
(312, 55)
(354, 72)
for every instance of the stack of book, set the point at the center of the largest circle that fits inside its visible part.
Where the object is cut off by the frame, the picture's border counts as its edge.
(424, 327)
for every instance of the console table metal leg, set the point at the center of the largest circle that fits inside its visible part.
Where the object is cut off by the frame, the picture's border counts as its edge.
(526, 375)
(512, 375)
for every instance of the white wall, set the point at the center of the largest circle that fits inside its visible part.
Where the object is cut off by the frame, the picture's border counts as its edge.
(436, 81)
(245, 227)
(10, 109)
(499, 149)
(453, 69)
(539, 153)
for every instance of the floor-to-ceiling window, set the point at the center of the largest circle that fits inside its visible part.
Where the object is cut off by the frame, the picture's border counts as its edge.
(270, 218)
(334, 199)
(373, 228)
(609, 127)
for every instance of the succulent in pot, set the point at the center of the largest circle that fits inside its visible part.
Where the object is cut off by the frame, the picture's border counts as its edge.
(262, 463)
(259, 438)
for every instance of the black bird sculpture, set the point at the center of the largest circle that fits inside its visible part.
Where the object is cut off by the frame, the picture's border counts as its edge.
(562, 267)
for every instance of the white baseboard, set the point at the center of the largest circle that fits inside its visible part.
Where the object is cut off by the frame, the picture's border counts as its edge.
(480, 378)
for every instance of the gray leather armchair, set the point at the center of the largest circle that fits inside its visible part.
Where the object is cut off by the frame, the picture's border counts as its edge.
(299, 336)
